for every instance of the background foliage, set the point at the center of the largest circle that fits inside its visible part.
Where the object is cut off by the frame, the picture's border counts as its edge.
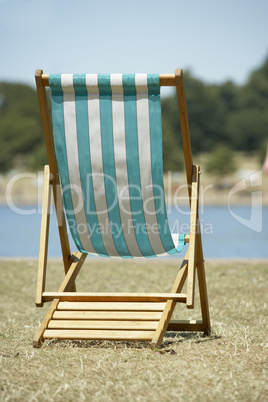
(224, 115)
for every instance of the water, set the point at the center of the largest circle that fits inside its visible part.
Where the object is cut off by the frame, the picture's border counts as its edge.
(239, 233)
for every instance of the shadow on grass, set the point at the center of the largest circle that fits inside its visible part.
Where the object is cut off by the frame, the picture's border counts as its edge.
(196, 337)
(98, 344)
(171, 338)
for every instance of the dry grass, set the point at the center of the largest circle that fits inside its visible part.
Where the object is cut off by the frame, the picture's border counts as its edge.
(231, 364)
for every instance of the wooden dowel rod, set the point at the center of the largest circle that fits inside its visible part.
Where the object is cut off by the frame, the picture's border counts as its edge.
(166, 80)
(190, 325)
(45, 80)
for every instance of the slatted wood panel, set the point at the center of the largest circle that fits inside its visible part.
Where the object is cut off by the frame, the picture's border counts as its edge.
(93, 324)
(107, 315)
(103, 306)
(100, 334)
(102, 320)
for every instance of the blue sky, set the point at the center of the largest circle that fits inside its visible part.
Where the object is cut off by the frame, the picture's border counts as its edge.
(216, 40)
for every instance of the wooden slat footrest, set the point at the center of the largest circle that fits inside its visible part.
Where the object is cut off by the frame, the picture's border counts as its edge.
(111, 320)
(104, 320)
(190, 325)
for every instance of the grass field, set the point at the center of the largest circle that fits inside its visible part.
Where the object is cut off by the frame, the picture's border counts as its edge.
(231, 364)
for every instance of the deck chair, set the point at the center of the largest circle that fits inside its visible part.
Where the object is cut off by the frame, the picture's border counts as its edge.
(105, 171)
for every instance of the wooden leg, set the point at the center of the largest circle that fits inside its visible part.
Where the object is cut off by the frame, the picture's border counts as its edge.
(38, 338)
(64, 287)
(194, 229)
(170, 305)
(204, 325)
(42, 261)
(202, 286)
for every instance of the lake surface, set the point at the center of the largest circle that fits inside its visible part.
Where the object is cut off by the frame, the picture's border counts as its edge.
(241, 232)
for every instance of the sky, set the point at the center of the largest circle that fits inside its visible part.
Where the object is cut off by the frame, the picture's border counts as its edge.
(217, 40)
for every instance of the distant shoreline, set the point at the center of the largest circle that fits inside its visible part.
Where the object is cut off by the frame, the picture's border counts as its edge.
(97, 260)
(213, 201)
(26, 188)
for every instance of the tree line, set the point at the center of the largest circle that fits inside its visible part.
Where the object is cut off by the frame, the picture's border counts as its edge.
(234, 117)
(226, 114)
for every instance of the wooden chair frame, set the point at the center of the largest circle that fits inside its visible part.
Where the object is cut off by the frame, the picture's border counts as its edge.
(73, 262)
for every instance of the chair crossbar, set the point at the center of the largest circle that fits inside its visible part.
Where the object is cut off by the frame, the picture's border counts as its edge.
(166, 80)
(114, 297)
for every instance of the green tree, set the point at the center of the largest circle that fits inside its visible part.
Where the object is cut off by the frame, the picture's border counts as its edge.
(247, 124)
(20, 127)
(220, 161)
(226, 114)
(172, 144)
(206, 114)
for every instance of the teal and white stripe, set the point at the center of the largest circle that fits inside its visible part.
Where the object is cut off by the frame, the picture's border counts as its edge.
(108, 141)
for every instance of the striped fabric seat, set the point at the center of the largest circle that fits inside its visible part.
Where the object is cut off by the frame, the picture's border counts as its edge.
(108, 142)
